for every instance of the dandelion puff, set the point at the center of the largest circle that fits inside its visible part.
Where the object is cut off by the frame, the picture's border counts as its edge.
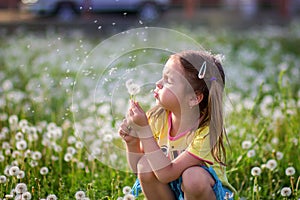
(290, 171)
(126, 190)
(3, 179)
(19, 136)
(21, 145)
(271, 164)
(286, 191)
(251, 153)
(33, 163)
(51, 197)
(68, 157)
(279, 155)
(79, 195)
(36, 155)
(246, 144)
(14, 170)
(128, 197)
(21, 174)
(21, 188)
(255, 171)
(134, 89)
(120, 198)
(2, 158)
(44, 170)
(26, 196)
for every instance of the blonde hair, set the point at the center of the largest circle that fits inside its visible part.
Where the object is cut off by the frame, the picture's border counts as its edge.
(212, 87)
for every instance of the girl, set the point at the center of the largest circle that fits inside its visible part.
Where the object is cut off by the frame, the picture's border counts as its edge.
(177, 149)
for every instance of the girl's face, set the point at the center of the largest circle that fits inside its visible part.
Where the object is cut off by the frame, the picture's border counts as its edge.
(172, 91)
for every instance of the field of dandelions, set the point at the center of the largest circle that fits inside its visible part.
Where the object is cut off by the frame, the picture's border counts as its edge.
(43, 156)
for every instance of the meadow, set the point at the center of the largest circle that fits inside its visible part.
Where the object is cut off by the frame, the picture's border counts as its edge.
(62, 97)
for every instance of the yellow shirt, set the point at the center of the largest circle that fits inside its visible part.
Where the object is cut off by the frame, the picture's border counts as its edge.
(198, 144)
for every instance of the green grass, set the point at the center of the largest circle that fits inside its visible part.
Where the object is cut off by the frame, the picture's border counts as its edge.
(37, 79)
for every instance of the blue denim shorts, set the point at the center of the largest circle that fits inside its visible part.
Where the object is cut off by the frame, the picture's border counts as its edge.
(221, 191)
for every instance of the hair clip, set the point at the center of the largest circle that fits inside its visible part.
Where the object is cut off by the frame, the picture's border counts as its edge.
(202, 70)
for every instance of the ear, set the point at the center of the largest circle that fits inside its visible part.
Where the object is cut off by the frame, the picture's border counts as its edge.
(196, 99)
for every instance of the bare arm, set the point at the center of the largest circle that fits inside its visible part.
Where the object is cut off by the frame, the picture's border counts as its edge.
(164, 169)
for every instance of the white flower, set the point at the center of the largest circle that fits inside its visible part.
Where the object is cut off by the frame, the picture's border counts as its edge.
(126, 190)
(51, 197)
(246, 144)
(14, 170)
(286, 191)
(255, 171)
(80, 195)
(290, 171)
(71, 150)
(107, 138)
(33, 163)
(21, 145)
(44, 170)
(271, 164)
(13, 119)
(2, 179)
(251, 153)
(21, 188)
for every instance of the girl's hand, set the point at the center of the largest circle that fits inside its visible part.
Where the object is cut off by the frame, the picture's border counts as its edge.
(127, 134)
(136, 115)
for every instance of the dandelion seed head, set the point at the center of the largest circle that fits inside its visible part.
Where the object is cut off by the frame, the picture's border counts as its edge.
(271, 164)
(128, 197)
(80, 195)
(21, 145)
(2, 179)
(246, 144)
(255, 171)
(14, 170)
(68, 157)
(21, 174)
(21, 188)
(126, 190)
(26, 196)
(36, 155)
(279, 155)
(251, 153)
(19, 136)
(286, 192)
(290, 171)
(44, 171)
(51, 197)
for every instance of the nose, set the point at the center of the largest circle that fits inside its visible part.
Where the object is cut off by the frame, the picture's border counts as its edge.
(159, 84)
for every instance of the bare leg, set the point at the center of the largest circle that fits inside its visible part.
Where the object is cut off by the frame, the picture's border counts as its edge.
(151, 186)
(197, 184)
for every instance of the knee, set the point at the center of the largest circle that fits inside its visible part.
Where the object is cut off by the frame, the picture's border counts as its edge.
(196, 181)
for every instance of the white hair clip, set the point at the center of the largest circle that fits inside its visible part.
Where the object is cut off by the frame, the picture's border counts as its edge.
(202, 70)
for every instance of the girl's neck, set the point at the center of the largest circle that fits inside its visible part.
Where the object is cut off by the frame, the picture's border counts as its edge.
(183, 122)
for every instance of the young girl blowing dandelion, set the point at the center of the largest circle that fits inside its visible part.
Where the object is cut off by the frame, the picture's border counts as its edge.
(177, 149)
